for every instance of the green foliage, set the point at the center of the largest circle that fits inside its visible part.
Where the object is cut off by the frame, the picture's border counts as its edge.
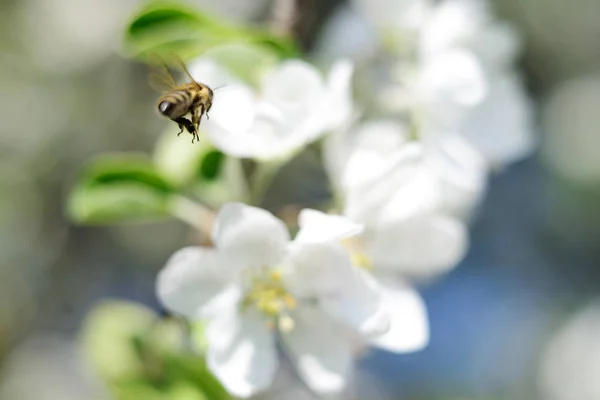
(140, 356)
(171, 27)
(120, 188)
(211, 165)
(107, 336)
(183, 164)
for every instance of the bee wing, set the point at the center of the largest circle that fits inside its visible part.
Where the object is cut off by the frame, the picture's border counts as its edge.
(181, 65)
(161, 78)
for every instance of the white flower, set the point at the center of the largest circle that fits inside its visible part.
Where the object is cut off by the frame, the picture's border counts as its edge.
(409, 330)
(395, 16)
(257, 281)
(379, 172)
(459, 76)
(470, 25)
(496, 116)
(501, 127)
(293, 106)
(403, 193)
(446, 87)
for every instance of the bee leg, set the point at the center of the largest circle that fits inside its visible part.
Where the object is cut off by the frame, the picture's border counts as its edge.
(184, 123)
(196, 117)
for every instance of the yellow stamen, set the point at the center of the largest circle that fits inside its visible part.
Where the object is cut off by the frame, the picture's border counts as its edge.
(361, 260)
(269, 296)
(358, 256)
(286, 324)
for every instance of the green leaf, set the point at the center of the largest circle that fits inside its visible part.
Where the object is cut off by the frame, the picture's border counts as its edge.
(183, 163)
(211, 164)
(195, 370)
(107, 338)
(171, 27)
(120, 188)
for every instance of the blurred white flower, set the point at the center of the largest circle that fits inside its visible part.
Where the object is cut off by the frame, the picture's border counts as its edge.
(256, 282)
(454, 73)
(496, 115)
(407, 230)
(404, 193)
(293, 106)
(378, 172)
(501, 127)
(347, 34)
(446, 87)
(398, 17)
(571, 363)
(470, 25)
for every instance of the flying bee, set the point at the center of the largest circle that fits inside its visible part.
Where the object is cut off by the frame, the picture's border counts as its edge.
(179, 100)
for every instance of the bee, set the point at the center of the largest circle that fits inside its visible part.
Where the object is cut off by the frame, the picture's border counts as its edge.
(179, 100)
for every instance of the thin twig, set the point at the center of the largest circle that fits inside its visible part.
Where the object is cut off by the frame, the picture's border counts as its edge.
(195, 214)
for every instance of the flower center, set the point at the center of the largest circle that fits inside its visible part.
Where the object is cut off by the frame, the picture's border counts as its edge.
(358, 255)
(268, 294)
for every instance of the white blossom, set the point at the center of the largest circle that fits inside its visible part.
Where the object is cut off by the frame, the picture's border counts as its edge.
(396, 17)
(409, 329)
(471, 25)
(256, 283)
(405, 194)
(293, 106)
(378, 171)
(455, 71)
(499, 119)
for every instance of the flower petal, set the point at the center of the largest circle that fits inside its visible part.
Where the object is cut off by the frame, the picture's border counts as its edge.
(512, 136)
(451, 83)
(358, 303)
(193, 278)
(409, 327)
(210, 73)
(314, 269)
(324, 271)
(241, 352)
(374, 146)
(319, 350)
(364, 202)
(233, 100)
(335, 106)
(293, 83)
(316, 226)
(421, 246)
(250, 236)
(228, 134)
(347, 34)
(461, 172)
(397, 16)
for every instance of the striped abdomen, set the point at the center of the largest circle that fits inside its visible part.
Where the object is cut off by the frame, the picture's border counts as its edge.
(175, 104)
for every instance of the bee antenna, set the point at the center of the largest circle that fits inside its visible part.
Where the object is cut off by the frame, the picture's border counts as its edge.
(219, 87)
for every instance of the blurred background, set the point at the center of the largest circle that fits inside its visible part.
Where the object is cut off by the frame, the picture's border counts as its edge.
(518, 319)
